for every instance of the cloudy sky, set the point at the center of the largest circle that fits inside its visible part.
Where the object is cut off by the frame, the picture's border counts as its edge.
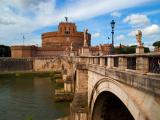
(33, 17)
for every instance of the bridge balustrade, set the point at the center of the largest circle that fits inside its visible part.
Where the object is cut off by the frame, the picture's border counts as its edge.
(98, 60)
(154, 64)
(131, 63)
(143, 63)
(92, 62)
(116, 61)
(106, 61)
(95, 60)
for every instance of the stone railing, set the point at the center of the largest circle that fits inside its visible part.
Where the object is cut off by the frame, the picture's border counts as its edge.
(149, 83)
(141, 71)
(140, 63)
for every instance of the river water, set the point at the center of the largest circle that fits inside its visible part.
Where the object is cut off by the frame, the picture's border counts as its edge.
(29, 99)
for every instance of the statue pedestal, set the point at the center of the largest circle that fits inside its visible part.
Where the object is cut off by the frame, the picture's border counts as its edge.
(140, 50)
(100, 53)
(85, 51)
(72, 54)
(157, 49)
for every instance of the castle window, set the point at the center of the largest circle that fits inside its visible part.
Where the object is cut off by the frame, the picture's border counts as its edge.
(67, 31)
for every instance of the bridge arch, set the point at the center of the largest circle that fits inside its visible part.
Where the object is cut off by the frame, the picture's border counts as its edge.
(109, 90)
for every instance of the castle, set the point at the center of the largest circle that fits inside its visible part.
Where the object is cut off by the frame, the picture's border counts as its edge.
(64, 40)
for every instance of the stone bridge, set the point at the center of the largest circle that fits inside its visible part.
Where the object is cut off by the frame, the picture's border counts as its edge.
(107, 87)
(117, 87)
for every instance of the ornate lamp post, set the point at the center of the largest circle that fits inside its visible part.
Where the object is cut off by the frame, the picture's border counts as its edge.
(112, 26)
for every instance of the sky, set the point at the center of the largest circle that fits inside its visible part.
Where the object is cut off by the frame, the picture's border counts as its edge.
(31, 18)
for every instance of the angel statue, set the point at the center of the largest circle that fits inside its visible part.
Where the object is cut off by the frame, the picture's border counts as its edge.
(85, 37)
(139, 38)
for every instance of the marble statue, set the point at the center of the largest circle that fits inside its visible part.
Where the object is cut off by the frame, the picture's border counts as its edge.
(71, 47)
(85, 38)
(139, 38)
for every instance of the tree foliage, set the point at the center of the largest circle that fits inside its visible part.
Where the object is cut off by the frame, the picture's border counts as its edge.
(157, 43)
(129, 50)
(5, 51)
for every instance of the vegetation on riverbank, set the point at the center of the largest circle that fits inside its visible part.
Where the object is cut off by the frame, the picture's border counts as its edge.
(52, 74)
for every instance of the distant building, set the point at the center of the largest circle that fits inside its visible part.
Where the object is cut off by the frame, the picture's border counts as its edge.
(54, 43)
(61, 42)
(101, 49)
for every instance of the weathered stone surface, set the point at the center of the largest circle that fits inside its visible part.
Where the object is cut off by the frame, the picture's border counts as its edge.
(148, 83)
(11, 64)
(141, 104)
(140, 50)
(79, 107)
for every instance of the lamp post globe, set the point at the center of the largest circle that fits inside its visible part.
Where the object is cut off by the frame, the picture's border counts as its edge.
(112, 24)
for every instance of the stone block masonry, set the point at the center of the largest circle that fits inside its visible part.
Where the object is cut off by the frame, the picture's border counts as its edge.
(31, 64)
(10, 64)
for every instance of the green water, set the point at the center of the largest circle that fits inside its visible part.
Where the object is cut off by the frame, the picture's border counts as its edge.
(22, 98)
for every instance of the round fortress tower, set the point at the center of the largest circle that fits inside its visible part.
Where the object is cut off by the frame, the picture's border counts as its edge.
(66, 34)
(54, 43)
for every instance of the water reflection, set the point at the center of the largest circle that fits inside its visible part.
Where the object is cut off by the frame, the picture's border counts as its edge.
(21, 98)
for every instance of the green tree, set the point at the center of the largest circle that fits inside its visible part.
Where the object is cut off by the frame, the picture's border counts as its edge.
(129, 50)
(157, 43)
(5, 51)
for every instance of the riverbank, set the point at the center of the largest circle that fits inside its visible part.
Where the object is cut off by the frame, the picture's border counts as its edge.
(64, 118)
(55, 74)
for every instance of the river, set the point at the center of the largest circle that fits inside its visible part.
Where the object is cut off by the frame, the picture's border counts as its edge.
(29, 98)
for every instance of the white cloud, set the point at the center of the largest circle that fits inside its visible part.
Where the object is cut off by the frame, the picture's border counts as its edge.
(133, 33)
(136, 19)
(148, 31)
(153, 29)
(6, 21)
(120, 37)
(27, 16)
(95, 35)
(27, 3)
(116, 14)
(81, 9)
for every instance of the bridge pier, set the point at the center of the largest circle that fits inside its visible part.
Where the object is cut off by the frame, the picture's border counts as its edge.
(79, 105)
